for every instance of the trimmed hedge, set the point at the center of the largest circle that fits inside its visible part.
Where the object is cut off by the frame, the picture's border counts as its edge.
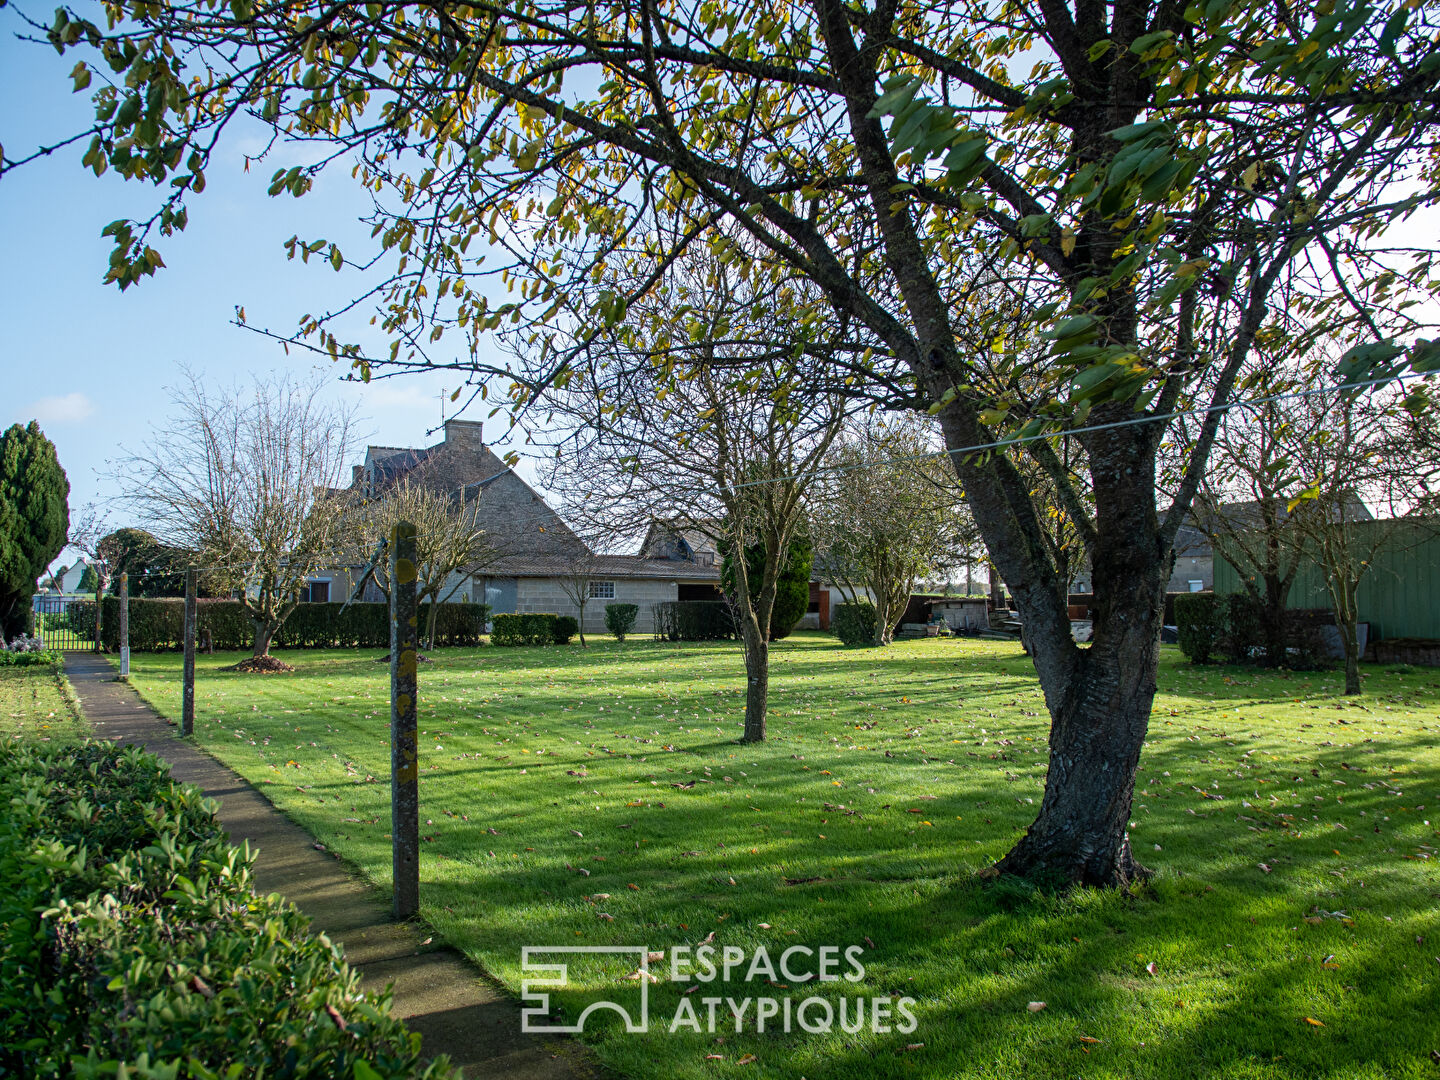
(157, 625)
(694, 620)
(528, 628)
(566, 627)
(620, 619)
(133, 943)
(1199, 625)
(854, 623)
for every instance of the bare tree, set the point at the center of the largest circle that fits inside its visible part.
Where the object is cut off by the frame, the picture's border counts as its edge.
(449, 537)
(1242, 503)
(1353, 455)
(245, 478)
(704, 430)
(890, 514)
(581, 569)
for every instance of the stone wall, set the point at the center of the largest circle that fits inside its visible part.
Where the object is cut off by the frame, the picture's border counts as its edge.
(535, 594)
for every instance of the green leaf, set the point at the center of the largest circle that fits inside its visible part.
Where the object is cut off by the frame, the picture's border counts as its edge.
(1146, 42)
(898, 93)
(1133, 132)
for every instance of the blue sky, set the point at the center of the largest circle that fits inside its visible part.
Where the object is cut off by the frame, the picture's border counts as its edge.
(91, 363)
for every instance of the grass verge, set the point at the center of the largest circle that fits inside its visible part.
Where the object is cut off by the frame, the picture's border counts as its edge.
(36, 703)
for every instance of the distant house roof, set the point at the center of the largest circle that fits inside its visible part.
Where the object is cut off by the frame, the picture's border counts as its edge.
(676, 541)
(516, 520)
(604, 566)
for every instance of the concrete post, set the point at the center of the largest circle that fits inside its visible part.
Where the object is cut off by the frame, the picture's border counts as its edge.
(404, 735)
(124, 626)
(187, 699)
(99, 612)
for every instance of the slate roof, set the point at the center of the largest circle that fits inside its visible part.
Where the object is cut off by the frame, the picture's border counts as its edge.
(604, 566)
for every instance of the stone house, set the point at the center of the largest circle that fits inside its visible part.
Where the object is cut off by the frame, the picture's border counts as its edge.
(532, 554)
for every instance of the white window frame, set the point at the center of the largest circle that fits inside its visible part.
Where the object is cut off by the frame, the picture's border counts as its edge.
(1196, 584)
(602, 590)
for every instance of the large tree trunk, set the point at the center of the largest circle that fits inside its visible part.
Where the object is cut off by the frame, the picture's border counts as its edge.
(1096, 735)
(264, 632)
(1099, 698)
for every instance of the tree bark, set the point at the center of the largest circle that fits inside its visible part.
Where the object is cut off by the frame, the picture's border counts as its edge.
(757, 682)
(1349, 620)
(1080, 834)
(264, 632)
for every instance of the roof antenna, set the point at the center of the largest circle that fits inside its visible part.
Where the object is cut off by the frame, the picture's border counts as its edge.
(442, 406)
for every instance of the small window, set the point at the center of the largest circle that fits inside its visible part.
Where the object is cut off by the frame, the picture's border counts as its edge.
(315, 592)
(602, 590)
(1197, 586)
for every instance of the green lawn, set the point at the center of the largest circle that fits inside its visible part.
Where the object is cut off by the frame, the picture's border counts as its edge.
(36, 703)
(1291, 929)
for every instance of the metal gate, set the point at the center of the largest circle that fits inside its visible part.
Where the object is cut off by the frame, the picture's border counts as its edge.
(53, 624)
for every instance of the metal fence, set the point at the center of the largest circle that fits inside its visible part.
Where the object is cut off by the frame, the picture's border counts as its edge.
(52, 623)
(1399, 596)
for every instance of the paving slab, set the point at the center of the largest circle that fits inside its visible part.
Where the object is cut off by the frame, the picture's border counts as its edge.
(437, 991)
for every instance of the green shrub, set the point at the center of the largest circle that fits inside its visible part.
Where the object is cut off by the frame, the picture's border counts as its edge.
(132, 941)
(158, 625)
(854, 623)
(1244, 626)
(529, 628)
(566, 627)
(694, 620)
(540, 628)
(1199, 624)
(620, 619)
(507, 629)
(29, 659)
(792, 587)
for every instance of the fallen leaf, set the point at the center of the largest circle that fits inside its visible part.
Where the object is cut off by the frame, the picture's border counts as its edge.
(747, 1059)
(1313, 1022)
(1035, 1006)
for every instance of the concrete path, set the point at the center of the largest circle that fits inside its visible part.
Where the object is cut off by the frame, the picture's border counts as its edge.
(437, 991)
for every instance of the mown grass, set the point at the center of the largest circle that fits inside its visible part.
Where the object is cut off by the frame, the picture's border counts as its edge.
(1291, 929)
(36, 703)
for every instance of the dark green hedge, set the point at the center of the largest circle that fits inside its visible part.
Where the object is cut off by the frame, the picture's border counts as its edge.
(529, 628)
(157, 625)
(854, 624)
(132, 942)
(694, 620)
(1199, 625)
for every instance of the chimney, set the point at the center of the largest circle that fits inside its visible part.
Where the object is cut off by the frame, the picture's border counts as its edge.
(465, 433)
